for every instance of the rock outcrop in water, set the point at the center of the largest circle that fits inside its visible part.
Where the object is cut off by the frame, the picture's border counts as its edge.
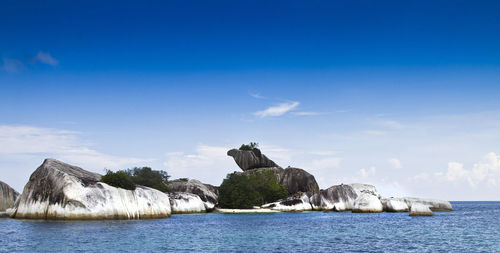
(418, 209)
(298, 203)
(251, 159)
(353, 197)
(209, 194)
(57, 190)
(433, 204)
(7, 196)
(184, 202)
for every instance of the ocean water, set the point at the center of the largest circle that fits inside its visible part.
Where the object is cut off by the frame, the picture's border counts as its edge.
(472, 227)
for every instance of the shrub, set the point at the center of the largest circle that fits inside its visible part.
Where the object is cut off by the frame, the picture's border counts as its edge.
(249, 147)
(241, 190)
(119, 179)
(157, 179)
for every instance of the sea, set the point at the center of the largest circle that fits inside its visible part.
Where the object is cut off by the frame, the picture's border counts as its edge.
(471, 227)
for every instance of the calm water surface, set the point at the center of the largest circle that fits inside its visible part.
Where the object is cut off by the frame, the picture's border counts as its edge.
(472, 227)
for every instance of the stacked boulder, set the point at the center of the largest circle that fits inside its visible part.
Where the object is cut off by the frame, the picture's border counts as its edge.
(192, 196)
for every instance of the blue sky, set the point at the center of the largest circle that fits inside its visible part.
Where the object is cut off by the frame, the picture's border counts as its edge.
(401, 95)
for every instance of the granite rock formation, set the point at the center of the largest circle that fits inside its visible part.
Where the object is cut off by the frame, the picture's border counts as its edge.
(251, 159)
(209, 194)
(7, 196)
(184, 202)
(57, 190)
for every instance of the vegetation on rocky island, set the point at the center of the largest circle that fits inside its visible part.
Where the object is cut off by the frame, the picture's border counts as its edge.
(250, 147)
(240, 190)
(145, 176)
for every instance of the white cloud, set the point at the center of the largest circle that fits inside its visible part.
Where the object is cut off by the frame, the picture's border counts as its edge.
(308, 113)
(277, 110)
(46, 58)
(370, 172)
(394, 162)
(256, 95)
(485, 172)
(325, 163)
(209, 164)
(19, 141)
(13, 65)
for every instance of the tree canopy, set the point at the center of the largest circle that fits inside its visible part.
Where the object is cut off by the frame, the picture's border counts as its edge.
(145, 176)
(251, 146)
(241, 190)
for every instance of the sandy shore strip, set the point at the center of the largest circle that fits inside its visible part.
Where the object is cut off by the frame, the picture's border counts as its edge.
(236, 211)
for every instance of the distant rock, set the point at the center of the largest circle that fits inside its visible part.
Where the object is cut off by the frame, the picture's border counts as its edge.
(394, 205)
(209, 194)
(184, 202)
(248, 160)
(7, 196)
(336, 198)
(292, 204)
(346, 197)
(434, 204)
(418, 209)
(57, 190)
(367, 203)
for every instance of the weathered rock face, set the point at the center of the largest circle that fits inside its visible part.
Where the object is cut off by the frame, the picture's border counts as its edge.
(291, 204)
(358, 197)
(295, 180)
(336, 198)
(209, 194)
(248, 160)
(418, 209)
(433, 204)
(57, 190)
(394, 205)
(367, 203)
(298, 180)
(7, 196)
(184, 202)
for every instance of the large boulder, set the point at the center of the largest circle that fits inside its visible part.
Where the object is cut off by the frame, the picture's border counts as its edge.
(418, 209)
(184, 202)
(209, 194)
(433, 204)
(394, 205)
(367, 203)
(7, 196)
(298, 180)
(336, 198)
(57, 190)
(346, 197)
(295, 180)
(298, 203)
(250, 159)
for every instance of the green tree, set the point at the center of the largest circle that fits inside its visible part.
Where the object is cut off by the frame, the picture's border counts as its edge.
(157, 179)
(249, 147)
(119, 179)
(240, 190)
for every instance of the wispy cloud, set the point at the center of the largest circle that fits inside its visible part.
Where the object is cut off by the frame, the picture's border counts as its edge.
(65, 145)
(395, 163)
(13, 65)
(278, 110)
(256, 95)
(308, 113)
(45, 58)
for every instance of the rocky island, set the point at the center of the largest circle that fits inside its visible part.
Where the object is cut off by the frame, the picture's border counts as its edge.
(57, 190)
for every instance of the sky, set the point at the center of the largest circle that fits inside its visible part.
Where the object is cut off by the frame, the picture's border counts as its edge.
(402, 95)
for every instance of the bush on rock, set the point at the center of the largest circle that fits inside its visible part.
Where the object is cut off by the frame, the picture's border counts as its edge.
(239, 190)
